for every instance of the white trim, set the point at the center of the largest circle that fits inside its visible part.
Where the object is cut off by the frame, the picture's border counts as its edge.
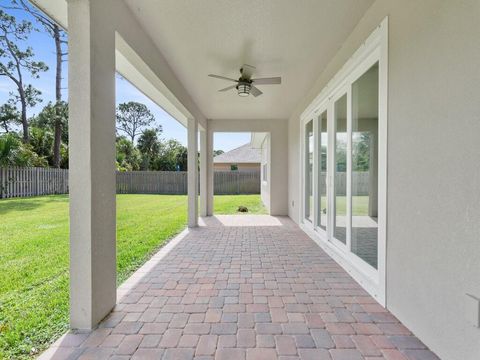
(374, 49)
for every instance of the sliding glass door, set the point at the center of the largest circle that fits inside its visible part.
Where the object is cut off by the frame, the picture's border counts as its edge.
(341, 148)
(364, 177)
(340, 169)
(322, 166)
(308, 186)
(344, 159)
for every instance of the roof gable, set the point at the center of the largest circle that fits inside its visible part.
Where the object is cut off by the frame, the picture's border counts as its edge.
(242, 154)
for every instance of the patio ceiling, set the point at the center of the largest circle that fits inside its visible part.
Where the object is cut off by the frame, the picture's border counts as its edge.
(292, 39)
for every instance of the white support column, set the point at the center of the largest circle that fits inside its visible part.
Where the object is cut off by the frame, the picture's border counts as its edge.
(203, 173)
(192, 173)
(91, 87)
(209, 173)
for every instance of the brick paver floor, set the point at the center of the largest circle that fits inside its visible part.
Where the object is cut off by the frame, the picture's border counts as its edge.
(244, 288)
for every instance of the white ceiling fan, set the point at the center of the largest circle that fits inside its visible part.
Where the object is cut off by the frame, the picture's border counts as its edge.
(245, 84)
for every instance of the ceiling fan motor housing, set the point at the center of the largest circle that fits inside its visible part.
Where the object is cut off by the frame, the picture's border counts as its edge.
(244, 87)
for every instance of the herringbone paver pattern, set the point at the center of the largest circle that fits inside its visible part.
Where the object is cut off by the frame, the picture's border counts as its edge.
(245, 292)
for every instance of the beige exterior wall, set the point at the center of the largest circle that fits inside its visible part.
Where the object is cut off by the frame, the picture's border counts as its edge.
(241, 166)
(433, 196)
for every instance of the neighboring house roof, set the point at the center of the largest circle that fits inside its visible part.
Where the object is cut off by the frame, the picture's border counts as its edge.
(242, 154)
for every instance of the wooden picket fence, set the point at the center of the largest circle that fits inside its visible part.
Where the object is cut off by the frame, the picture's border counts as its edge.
(236, 182)
(26, 182)
(152, 182)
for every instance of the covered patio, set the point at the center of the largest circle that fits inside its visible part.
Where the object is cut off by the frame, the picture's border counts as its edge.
(243, 287)
(320, 283)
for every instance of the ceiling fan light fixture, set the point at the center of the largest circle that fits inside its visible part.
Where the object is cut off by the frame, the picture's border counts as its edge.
(245, 85)
(243, 89)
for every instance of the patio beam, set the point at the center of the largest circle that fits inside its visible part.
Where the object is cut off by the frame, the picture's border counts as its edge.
(91, 83)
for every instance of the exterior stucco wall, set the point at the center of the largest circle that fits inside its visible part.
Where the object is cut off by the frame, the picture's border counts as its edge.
(433, 196)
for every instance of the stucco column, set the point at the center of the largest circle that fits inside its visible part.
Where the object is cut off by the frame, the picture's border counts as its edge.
(203, 173)
(192, 173)
(91, 87)
(210, 173)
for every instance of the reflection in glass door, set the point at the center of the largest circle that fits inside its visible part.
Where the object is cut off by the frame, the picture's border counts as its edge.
(309, 145)
(322, 217)
(364, 235)
(340, 170)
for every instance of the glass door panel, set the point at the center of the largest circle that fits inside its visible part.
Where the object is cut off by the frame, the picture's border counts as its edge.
(364, 235)
(322, 171)
(340, 170)
(309, 144)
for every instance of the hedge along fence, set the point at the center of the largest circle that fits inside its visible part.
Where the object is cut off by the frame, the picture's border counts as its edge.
(25, 182)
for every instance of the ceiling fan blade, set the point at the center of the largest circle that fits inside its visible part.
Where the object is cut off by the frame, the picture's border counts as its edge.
(228, 88)
(268, 81)
(255, 91)
(222, 77)
(247, 71)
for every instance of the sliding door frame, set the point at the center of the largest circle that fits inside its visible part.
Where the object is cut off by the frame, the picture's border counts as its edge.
(324, 107)
(374, 50)
(306, 222)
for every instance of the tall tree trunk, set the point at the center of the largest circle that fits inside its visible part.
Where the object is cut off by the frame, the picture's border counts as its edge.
(58, 97)
(23, 102)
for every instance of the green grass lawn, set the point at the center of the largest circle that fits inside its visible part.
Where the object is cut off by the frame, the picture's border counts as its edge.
(228, 204)
(34, 258)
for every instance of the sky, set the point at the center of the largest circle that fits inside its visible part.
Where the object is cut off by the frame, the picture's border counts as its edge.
(44, 50)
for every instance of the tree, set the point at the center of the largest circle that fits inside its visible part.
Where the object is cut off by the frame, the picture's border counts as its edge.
(48, 119)
(41, 142)
(15, 61)
(218, 152)
(132, 118)
(149, 147)
(128, 157)
(15, 153)
(173, 156)
(8, 115)
(59, 37)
